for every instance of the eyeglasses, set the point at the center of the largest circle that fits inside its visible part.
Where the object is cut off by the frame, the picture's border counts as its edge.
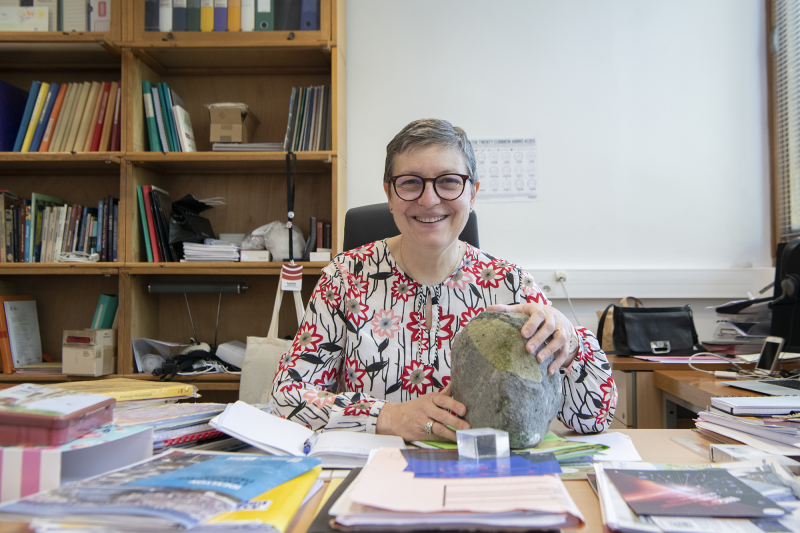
(447, 186)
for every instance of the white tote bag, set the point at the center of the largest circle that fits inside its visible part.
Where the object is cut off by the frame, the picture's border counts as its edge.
(263, 355)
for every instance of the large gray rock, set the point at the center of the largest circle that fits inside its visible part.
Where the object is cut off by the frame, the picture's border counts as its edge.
(503, 386)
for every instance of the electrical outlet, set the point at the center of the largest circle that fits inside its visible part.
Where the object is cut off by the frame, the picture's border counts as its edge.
(561, 275)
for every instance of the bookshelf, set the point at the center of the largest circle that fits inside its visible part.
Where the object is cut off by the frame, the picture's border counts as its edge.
(258, 68)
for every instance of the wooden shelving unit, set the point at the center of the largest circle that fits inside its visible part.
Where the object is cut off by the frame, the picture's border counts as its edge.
(257, 68)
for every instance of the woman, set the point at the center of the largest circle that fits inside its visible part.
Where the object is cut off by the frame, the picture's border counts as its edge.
(386, 314)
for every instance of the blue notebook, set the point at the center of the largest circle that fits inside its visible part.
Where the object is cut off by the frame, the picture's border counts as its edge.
(26, 115)
(11, 112)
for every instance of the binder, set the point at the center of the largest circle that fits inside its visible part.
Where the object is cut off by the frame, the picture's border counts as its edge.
(309, 15)
(265, 15)
(179, 17)
(151, 12)
(248, 15)
(165, 15)
(44, 90)
(150, 117)
(11, 115)
(52, 120)
(234, 15)
(206, 15)
(220, 15)
(192, 15)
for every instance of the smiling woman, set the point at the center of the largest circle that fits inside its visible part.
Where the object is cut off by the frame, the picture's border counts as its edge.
(384, 316)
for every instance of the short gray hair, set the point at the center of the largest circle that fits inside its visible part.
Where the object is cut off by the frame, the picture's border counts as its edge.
(431, 132)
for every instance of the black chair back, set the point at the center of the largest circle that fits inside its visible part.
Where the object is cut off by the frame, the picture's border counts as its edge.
(369, 223)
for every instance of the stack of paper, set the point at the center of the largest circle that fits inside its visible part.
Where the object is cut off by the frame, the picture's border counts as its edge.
(776, 432)
(732, 497)
(193, 252)
(385, 497)
(178, 490)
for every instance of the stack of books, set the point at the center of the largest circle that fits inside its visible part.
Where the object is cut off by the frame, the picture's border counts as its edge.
(55, 15)
(46, 230)
(309, 126)
(742, 327)
(155, 210)
(767, 423)
(218, 252)
(169, 126)
(68, 117)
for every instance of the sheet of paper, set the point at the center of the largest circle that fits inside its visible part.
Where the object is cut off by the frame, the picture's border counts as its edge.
(23, 332)
(262, 430)
(621, 447)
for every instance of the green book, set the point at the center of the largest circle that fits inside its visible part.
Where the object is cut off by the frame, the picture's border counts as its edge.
(166, 115)
(145, 230)
(106, 312)
(150, 117)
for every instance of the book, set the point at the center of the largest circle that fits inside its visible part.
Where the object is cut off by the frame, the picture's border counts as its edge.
(7, 200)
(192, 15)
(234, 15)
(6, 357)
(85, 119)
(41, 124)
(151, 225)
(166, 115)
(151, 15)
(220, 15)
(38, 202)
(99, 15)
(165, 15)
(100, 225)
(758, 405)
(11, 114)
(73, 15)
(52, 120)
(105, 120)
(166, 146)
(143, 222)
(33, 95)
(99, 104)
(290, 123)
(115, 226)
(117, 125)
(206, 15)
(44, 90)
(150, 117)
(75, 117)
(196, 487)
(184, 126)
(125, 389)
(65, 118)
(162, 210)
(336, 449)
(22, 325)
(179, 15)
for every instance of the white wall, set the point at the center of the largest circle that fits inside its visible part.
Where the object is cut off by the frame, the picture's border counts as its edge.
(651, 119)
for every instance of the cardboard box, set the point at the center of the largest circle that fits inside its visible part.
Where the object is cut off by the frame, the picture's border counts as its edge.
(255, 255)
(89, 352)
(231, 123)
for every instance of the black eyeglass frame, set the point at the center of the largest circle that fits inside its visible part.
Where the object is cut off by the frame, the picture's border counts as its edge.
(464, 179)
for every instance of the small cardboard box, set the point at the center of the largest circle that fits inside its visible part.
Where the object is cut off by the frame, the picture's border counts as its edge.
(89, 352)
(255, 255)
(231, 123)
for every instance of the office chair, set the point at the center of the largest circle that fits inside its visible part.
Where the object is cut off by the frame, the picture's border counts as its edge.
(369, 223)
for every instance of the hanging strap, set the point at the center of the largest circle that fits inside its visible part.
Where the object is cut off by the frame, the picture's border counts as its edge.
(291, 169)
(276, 311)
(602, 324)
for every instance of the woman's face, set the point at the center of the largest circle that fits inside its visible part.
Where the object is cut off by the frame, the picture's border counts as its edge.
(430, 222)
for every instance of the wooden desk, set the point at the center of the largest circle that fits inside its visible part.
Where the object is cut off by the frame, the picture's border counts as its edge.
(641, 404)
(654, 445)
(692, 390)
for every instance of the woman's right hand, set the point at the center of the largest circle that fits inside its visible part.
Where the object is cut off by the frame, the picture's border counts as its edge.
(408, 419)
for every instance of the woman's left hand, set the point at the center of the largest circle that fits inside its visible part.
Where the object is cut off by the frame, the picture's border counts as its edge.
(545, 323)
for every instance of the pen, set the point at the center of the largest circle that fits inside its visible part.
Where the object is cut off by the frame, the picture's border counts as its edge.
(310, 442)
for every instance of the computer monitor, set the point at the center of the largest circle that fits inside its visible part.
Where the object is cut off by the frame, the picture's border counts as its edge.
(786, 313)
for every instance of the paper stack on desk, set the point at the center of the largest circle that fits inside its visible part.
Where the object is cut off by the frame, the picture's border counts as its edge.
(774, 432)
(385, 497)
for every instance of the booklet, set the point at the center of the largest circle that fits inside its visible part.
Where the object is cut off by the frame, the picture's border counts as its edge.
(173, 489)
(275, 435)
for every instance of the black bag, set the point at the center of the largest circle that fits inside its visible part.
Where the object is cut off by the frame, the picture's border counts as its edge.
(652, 330)
(186, 225)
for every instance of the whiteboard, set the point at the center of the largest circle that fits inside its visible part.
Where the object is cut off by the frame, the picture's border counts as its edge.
(651, 120)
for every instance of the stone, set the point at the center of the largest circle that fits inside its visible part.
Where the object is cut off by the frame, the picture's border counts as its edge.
(502, 385)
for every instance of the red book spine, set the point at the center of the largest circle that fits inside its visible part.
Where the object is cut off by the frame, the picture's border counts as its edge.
(319, 235)
(151, 228)
(98, 130)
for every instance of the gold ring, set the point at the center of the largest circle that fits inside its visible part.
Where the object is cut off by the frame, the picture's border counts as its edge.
(429, 427)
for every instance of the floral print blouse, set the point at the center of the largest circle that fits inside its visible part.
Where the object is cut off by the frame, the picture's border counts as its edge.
(366, 320)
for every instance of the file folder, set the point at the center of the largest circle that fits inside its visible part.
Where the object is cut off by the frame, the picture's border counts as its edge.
(192, 15)
(309, 15)
(179, 15)
(220, 15)
(206, 15)
(265, 15)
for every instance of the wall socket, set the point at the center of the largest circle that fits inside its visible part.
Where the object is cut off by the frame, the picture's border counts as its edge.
(561, 275)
